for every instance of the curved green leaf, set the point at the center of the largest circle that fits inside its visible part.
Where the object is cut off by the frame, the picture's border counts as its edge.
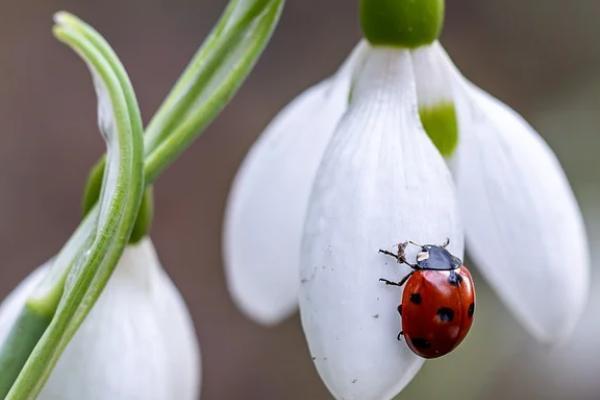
(113, 218)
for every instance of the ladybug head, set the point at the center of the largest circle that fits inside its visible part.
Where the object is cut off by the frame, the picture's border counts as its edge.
(437, 258)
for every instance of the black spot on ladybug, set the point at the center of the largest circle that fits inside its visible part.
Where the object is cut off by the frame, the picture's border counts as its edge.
(400, 309)
(421, 343)
(471, 310)
(415, 298)
(454, 279)
(446, 314)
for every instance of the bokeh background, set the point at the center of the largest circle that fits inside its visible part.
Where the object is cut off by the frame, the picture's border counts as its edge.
(543, 60)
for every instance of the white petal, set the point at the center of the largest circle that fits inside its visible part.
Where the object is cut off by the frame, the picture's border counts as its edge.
(524, 227)
(138, 342)
(381, 182)
(267, 204)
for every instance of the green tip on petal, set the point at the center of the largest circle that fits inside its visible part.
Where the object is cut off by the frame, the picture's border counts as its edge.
(401, 23)
(441, 125)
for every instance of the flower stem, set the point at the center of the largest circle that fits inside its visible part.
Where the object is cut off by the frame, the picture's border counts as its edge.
(238, 53)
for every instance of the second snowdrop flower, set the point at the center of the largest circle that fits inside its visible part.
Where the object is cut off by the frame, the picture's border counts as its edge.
(137, 343)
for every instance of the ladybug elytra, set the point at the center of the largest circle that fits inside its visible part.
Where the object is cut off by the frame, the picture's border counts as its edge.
(438, 301)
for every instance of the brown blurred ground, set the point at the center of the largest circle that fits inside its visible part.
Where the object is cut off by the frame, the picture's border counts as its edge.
(518, 49)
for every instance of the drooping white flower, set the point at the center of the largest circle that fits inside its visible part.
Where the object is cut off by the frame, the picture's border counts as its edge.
(520, 215)
(381, 181)
(138, 342)
(378, 180)
(522, 221)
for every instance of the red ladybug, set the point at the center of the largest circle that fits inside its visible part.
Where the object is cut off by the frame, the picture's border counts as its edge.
(438, 301)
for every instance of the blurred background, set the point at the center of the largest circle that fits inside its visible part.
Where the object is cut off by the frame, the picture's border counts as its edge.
(544, 61)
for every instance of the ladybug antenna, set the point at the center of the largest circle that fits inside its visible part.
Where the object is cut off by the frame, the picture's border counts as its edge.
(446, 243)
(413, 243)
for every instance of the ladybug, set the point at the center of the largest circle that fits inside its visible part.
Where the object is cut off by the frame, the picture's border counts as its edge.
(438, 301)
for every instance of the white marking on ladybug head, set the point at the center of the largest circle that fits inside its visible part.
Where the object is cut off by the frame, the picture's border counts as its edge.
(422, 256)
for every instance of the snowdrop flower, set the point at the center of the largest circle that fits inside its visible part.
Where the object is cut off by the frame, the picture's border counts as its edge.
(138, 342)
(355, 164)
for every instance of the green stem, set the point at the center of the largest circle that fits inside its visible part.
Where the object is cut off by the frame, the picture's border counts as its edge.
(239, 54)
(227, 37)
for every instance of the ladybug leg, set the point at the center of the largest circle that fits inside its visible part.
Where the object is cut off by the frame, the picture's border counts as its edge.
(413, 266)
(446, 243)
(389, 253)
(400, 335)
(454, 279)
(401, 283)
(389, 282)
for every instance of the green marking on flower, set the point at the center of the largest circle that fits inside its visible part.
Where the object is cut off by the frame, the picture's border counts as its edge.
(441, 125)
(401, 23)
